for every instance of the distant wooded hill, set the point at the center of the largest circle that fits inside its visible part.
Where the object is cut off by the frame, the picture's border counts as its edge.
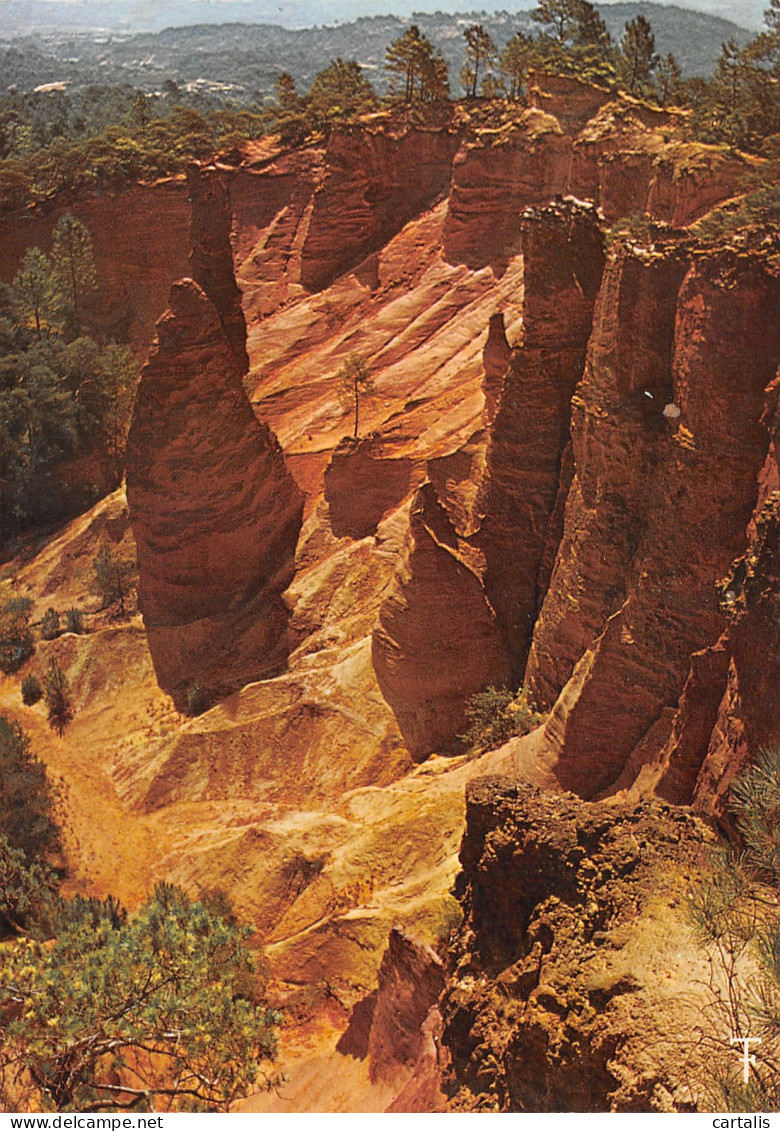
(243, 61)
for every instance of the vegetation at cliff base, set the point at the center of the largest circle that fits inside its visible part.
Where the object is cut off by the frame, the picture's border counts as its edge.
(495, 716)
(63, 394)
(99, 1010)
(736, 914)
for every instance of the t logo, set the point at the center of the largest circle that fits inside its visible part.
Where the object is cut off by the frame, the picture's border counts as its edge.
(747, 1057)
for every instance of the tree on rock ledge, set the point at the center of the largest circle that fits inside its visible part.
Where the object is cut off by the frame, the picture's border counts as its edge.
(354, 381)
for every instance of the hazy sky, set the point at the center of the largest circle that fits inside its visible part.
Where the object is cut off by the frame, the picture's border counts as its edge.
(295, 13)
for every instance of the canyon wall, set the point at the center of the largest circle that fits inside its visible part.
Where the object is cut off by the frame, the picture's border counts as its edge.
(562, 263)
(374, 182)
(668, 444)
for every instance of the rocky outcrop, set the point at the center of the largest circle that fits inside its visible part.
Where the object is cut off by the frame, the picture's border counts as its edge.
(628, 158)
(374, 182)
(211, 258)
(572, 101)
(361, 484)
(410, 979)
(728, 709)
(617, 432)
(494, 179)
(214, 511)
(570, 987)
(437, 641)
(669, 551)
(563, 259)
(271, 207)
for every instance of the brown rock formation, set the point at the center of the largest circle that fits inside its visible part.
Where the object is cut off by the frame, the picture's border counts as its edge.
(729, 708)
(211, 259)
(616, 428)
(496, 357)
(727, 312)
(411, 977)
(437, 641)
(215, 514)
(361, 485)
(493, 181)
(570, 100)
(563, 260)
(569, 966)
(373, 184)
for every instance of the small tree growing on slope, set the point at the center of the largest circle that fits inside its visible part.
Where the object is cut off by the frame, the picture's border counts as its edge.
(355, 381)
(56, 690)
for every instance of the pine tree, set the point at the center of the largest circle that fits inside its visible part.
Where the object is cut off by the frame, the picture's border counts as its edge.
(639, 59)
(481, 51)
(56, 691)
(354, 380)
(74, 267)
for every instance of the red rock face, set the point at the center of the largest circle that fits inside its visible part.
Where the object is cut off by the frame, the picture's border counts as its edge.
(616, 427)
(496, 357)
(563, 259)
(361, 485)
(140, 240)
(214, 512)
(666, 605)
(373, 184)
(492, 184)
(211, 259)
(437, 642)
(411, 977)
(729, 707)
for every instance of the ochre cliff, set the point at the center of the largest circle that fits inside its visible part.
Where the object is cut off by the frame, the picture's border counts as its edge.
(563, 259)
(669, 553)
(437, 641)
(617, 430)
(555, 453)
(215, 513)
(728, 709)
(572, 986)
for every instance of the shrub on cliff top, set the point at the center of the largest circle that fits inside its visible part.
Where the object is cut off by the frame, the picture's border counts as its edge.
(495, 716)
